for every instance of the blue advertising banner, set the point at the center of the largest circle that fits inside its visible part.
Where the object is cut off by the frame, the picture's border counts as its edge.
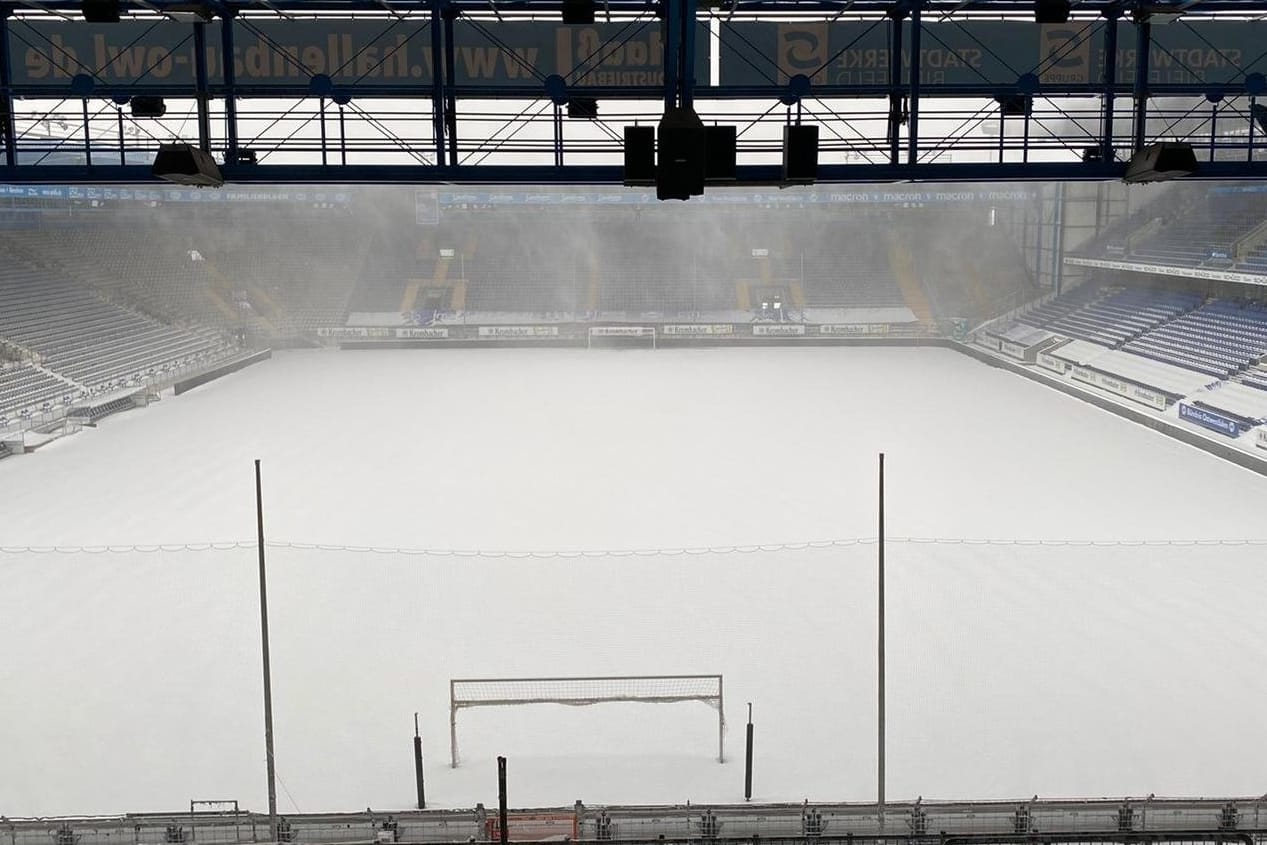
(857, 53)
(47, 54)
(1209, 419)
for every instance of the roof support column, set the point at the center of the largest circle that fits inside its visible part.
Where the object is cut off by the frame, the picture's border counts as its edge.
(437, 81)
(1112, 15)
(912, 124)
(449, 13)
(200, 81)
(229, 72)
(686, 71)
(1143, 41)
(8, 131)
(672, 50)
(896, 89)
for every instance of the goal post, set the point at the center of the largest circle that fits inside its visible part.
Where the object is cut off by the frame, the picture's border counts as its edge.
(621, 337)
(582, 691)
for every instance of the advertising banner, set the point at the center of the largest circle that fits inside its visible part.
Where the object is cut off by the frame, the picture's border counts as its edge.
(983, 52)
(1210, 419)
(432, 333)
(518, 331)
(1163, 270)
(380, 52)
(699, 329)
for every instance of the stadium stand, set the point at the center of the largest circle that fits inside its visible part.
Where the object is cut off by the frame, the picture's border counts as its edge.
(85, 340)
(295, 276)
(27, 389)
(847, 266)
(1206, 233)
(614, 262)
(1109, 317)
(96, 413)
(1237, 400)
(159, 278)
(384, 278)
(1219, 227)
(1220, 338)
(1169, 379)
(976, 283)
(1173, 342)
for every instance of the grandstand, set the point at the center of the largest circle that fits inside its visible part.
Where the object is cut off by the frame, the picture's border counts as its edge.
(98, 298)
(1189, 227)
(71, 342)
(721, 264)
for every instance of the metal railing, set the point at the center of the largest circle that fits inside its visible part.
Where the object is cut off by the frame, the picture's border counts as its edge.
(1128, 821)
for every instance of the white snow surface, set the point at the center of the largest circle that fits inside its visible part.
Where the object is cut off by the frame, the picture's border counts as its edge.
(130, 681)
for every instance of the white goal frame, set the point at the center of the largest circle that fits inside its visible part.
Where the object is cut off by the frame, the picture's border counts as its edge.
(580, 691)
(617, 333)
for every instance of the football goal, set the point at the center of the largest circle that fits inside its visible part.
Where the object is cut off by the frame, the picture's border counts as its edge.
(575, 692)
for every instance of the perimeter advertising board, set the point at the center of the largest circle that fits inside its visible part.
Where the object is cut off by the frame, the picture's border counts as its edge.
(504, 332)
(1051, 362)
(698, 329)
(1209, 418)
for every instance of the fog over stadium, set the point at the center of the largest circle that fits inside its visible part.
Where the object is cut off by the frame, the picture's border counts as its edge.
(520, 432)
(831, 422)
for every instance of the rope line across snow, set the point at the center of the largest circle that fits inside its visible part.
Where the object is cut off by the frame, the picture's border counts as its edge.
(545, 554)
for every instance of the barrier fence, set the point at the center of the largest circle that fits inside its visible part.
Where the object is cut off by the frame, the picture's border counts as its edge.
(1151, 820)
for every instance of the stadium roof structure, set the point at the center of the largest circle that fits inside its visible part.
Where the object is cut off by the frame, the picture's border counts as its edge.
(504, 92)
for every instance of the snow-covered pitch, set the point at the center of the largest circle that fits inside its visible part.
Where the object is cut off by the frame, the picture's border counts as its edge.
(131, 680)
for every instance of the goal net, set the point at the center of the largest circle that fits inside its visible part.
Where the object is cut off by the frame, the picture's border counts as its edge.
(622, 337)
(651, 689)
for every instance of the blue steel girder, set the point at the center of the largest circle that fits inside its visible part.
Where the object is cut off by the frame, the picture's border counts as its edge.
(748, 175)
(905, 89)
(947, 8)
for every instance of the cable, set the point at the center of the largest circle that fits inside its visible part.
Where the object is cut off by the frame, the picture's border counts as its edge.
(545, 554)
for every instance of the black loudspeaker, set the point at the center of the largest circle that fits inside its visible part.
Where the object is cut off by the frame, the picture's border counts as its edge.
(579, 12)
(1161, 162)
(186, 165)
(639, 155)
(680, 162)
(800, 153)
(585, 108)
(1260, 114)
(1014, 105)
(1051, 11)
(148, 107)
(719, 153)
(1092, 155)
(101, 11)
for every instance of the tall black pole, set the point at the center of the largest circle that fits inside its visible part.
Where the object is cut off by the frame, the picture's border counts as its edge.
(1111, 17)
(880, 653)
(1143, 43)
(503, 833)
(268, 674)
(422, 794)
(203, 95)
(747, 768)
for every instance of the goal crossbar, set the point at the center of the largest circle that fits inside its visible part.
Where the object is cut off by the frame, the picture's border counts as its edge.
(581, 691)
